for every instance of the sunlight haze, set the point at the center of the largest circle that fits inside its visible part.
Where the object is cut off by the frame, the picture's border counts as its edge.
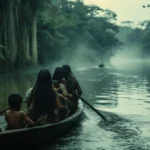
(126, 9)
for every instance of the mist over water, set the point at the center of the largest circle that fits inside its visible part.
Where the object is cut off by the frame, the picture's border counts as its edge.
(81, 56)
(84, 57)
(121, 95)
(121, 90)
(133, 52)
(129, 58)
(128, 55)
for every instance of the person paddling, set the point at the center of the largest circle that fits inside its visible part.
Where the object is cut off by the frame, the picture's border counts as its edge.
(72, 85)
(61, 88)
(59, 76)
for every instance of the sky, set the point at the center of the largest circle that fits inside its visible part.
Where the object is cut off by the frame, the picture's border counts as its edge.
(127, 10)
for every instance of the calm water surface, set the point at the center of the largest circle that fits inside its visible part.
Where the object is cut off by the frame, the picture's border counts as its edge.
(122, 95)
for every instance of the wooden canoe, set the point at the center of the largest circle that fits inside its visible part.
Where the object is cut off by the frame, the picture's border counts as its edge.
(40, 133)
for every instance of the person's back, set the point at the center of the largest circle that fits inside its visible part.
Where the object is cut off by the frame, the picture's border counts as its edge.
(14, 117)
(43, 101)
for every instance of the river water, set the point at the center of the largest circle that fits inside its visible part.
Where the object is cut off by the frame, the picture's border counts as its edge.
(122, 95)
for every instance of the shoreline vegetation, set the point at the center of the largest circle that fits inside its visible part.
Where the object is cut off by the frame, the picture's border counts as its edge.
(39, 32)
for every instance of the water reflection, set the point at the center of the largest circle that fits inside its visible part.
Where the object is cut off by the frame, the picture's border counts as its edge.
(122, 95)
(97, 89)
(14, 83)
(126, 93)
(129, 89)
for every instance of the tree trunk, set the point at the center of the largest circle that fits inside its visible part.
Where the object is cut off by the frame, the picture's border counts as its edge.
(34, 41)
(18, 32)
(12, 45)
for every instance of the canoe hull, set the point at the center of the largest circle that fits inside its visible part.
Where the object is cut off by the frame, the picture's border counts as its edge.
(38, 134)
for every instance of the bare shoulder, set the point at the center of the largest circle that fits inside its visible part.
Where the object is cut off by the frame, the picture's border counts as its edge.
(7, 112)
(22, 113)
(61, 85)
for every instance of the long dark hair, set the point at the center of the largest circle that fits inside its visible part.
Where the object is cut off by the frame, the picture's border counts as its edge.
(59, 74)
(68, 71)
(43, 94)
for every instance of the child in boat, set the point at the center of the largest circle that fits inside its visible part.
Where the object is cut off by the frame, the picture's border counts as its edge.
(14, 117)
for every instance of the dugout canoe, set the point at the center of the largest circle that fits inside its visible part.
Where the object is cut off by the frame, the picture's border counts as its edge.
(40, 133)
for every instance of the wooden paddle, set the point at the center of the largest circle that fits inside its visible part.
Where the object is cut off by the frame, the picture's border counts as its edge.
(104, 118)
(4, 110)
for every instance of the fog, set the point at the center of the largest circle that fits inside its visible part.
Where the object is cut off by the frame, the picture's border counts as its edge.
(128, 56)
(131, 54)
(81, 56)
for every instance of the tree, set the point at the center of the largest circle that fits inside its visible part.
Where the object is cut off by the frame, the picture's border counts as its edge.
(17, 28)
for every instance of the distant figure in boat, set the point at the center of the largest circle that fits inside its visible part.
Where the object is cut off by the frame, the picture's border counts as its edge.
(14, 117)
(43, 102)
(101, 65)
(72, 85)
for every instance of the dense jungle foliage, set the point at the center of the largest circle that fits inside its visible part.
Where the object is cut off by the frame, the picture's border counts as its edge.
(43, 31)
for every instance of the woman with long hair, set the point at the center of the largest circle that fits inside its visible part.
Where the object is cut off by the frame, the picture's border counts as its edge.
(61, 89)
(59, 76)
(71, 80)
(43, 100)
(72, 85)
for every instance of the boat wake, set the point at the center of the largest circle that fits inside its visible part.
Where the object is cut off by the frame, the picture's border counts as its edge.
(126, 133)
(86, 68)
